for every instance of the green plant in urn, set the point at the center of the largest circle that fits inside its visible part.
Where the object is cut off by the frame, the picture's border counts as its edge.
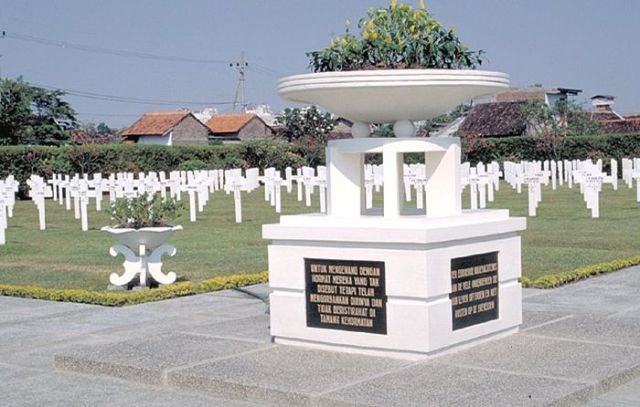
(396, 37)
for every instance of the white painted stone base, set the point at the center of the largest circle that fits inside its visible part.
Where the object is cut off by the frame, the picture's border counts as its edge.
(417, 253)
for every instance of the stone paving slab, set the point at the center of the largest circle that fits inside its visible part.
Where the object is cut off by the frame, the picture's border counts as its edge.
(18, 310)
(29, 387)
(620, 331)
(42, 356)
(605, 294)
(441, 385)
(608, 403)
(627, 393)
(532, 319)
(148, 360)
(254, 328)
(282, 374)
(590, 301)
(603, 365)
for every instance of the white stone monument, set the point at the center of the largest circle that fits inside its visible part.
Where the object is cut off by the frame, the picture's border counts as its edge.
(397, 283)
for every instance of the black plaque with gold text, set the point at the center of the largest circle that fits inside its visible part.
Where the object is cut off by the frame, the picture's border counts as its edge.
(474, 289)
(347, 295)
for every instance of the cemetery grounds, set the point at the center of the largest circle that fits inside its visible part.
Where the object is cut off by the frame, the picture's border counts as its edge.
(561, 238)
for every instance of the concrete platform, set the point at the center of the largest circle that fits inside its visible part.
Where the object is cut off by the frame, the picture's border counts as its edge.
(578, 346)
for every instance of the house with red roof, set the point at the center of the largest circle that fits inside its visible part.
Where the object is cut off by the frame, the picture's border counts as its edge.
(238, 127)
(167, 128)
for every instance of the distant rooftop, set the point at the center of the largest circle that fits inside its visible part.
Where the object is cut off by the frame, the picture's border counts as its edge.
(155, 123)
(516, 94)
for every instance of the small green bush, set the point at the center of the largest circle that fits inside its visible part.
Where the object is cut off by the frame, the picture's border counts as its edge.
(142, 211)
(193, 165)
(227, 282)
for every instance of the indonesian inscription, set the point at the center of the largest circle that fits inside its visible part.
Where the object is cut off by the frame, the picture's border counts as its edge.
(347, 295)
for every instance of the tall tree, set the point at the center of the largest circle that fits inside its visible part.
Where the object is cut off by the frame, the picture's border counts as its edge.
(309, 122)
(32, 115)
(550, 126)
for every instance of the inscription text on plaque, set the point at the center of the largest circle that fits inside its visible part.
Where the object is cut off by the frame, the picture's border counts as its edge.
(474, 289)
(347, 295)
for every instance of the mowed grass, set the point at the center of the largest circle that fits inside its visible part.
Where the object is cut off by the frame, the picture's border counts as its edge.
(561, 238)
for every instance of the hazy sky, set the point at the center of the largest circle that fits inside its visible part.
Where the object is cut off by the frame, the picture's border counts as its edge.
(586, 44)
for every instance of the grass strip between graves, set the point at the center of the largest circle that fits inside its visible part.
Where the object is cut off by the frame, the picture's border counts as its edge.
(581, 273)
(116, 299)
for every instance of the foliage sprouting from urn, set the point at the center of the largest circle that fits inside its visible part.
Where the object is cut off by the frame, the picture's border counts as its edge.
(396, 37)
(145, 211)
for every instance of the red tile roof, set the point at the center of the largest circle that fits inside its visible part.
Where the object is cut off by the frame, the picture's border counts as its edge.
(155, 124)
(229, 123)
(495, 120)
(621, 126)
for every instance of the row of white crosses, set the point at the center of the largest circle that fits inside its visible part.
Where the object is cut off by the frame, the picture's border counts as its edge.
(590, 176)
(309, 178)
(8, 190)
(373, 180)
(483, 180)
(533, 174)
(587, 174)
(631, 172)
(414, 177)
(38, 191)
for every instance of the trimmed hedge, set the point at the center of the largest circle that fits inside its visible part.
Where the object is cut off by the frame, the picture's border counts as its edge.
(502, 149)
(118, 298)
(22, 161)
(108, 298)
(581, 273)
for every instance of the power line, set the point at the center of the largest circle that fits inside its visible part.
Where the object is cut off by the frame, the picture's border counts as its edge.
(127, 99)
(266, 70)
(109, 51)
(108, 114)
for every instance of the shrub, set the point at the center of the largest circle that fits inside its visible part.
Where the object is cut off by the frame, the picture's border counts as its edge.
(193, 164)
(396, 37)
(116, 298)
(581, 273)
(22, 161)
(144, 211)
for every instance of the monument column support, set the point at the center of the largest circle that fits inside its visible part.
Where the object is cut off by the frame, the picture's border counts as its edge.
(392, 161)
(345, 175)
(443, 187)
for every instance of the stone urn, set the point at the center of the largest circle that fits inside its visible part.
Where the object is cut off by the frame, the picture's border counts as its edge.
(143, 250)
(398, 96)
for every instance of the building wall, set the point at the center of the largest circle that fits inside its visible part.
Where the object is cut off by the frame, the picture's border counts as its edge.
(255, 129)
(190, 131)
(553, 99)
(158, 140)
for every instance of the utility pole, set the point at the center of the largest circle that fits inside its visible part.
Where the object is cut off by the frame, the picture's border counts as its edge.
(3, 34)
(240, 95)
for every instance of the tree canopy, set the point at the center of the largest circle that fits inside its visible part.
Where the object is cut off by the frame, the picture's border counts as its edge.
(309, 122)
(33, 115)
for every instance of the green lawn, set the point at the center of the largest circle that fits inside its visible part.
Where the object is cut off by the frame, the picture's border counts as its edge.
(561, 238)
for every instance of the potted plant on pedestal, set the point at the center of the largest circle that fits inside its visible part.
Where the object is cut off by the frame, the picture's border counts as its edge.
(404, 66)
(142, 226)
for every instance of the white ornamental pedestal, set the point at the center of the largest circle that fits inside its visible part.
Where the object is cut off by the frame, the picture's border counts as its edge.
(399, 281)
(142, 250)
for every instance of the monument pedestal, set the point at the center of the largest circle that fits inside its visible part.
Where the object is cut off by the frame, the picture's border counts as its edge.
(420, 313)
(390, 282)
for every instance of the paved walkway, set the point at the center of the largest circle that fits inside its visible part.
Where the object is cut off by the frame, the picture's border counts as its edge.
(580, 345)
